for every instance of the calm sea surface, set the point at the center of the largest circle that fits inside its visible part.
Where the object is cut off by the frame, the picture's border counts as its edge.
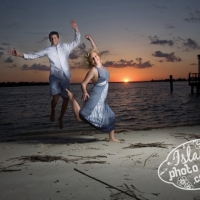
(136, 105)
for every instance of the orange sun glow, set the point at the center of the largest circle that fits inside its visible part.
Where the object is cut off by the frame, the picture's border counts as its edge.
(126, 80)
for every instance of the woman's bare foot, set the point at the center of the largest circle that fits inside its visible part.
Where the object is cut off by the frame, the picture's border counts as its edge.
(60, 123)
(70, 95)
(52, 116)
(113, 140)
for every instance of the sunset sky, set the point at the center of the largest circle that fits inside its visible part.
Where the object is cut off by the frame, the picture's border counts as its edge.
(140, 39)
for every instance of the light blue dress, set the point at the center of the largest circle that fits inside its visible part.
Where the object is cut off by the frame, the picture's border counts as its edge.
(95, 110)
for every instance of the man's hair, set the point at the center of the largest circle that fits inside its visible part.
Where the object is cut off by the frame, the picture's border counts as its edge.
(53, 33)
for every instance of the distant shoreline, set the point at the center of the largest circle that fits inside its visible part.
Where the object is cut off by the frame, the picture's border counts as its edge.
(17, 84)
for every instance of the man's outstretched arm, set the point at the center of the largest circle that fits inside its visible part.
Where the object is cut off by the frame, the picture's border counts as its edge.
(77, 38)
(16, 53)
(74, 25)
(31, 56)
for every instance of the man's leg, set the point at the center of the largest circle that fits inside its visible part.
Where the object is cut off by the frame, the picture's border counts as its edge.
(53, 105)
(65, 83)
(63, 110)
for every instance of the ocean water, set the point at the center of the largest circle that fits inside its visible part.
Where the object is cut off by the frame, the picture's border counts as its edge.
(137, 106)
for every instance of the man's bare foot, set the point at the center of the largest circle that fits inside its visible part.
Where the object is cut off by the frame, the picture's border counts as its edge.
(60, 123)
(70, 95)
(113, 140)
(52, 116)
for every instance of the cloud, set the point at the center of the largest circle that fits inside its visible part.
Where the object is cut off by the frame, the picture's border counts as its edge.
(156, 40)
(76, 65)
(2, 48)
(186, 44)
(161, 8)
(5, 44)
(170, 57)
(104, 52)
(194, 17)
(8, 60)
(75, 54)
(82, 47)
(128, 63)
(43, 39)
(10, 26)
(1, 54)
(35, 33)
(193, 64)
(170, 27)
(13, 66)
(191, 44)
(37, 67)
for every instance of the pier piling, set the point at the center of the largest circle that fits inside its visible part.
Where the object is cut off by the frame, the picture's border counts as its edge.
(171, 83)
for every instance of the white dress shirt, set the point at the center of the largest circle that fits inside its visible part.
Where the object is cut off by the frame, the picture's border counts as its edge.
(58, 56)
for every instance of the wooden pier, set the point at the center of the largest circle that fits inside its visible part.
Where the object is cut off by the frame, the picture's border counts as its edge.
(194, 81)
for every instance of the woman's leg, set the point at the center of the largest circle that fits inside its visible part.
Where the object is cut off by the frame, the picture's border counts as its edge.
(112, 137)
(75, 105)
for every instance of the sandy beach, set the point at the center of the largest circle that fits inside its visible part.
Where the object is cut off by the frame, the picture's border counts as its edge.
(49, 166)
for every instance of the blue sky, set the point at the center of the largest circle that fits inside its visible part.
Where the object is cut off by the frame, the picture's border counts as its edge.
(141, 40)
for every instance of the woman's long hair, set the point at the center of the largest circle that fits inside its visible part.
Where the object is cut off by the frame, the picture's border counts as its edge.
(86, 62)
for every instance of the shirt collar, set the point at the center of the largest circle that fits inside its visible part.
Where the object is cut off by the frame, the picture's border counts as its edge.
(58, 45)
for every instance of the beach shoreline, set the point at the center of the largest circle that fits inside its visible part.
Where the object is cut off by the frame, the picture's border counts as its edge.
(41, 166)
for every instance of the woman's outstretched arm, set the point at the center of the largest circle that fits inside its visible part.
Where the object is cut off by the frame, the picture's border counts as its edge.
(94, 46)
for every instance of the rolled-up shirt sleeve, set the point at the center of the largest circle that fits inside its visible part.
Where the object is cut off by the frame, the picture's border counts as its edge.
(75, 42)
(35, 55)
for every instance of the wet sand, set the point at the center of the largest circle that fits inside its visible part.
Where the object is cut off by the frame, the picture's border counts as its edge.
(42, 166)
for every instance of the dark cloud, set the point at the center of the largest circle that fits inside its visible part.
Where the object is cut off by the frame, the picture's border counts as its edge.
(194, 17)
(13, 66)
(156, 40)
(10, 26)
(104, 52)
(5, 44)
(37, 67)
(43, 39)
(74, 55)
(76, 65)
(8, 60)
(170, 57)
(128, 63)
(82, 47)
(141, 65)
(186, 44)
(191, 44)
(36, 33)
(170, 27)
(161, 8)
(2, 48)
(79, 52)
(1, 54)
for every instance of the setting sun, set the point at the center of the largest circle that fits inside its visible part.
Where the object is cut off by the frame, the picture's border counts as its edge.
(126, 80)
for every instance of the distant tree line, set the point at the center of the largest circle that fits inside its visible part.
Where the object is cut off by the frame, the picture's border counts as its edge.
(167, 80)
(13, 84)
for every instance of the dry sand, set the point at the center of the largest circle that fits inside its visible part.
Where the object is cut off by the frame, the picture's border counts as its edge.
(133, 170)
